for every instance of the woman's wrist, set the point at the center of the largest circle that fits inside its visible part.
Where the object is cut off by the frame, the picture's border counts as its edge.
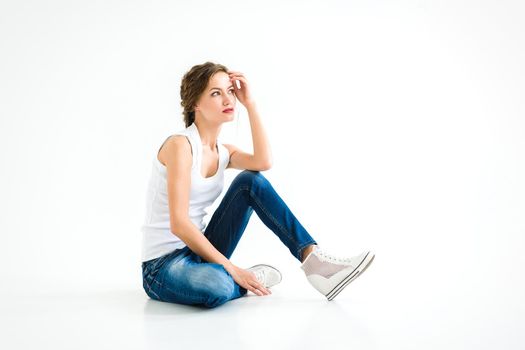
(228, 266)
(250, 105)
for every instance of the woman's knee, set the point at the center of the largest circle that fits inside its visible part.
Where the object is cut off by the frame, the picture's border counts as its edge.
(250, 178)
(214, 284)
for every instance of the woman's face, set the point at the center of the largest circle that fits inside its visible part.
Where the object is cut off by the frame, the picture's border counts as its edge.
(218, 96)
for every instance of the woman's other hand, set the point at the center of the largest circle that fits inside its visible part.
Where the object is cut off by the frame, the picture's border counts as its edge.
(243, 93)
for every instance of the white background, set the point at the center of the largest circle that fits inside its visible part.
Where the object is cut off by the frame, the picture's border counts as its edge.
(395, 125)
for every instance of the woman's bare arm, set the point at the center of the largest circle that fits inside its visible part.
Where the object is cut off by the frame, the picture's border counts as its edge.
(178, 164)
(262, 152)
(178, 160)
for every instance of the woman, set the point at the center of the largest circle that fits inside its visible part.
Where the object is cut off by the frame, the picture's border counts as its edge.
(186, 261)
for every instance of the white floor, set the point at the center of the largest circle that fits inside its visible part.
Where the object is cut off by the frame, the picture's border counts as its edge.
(382, 309)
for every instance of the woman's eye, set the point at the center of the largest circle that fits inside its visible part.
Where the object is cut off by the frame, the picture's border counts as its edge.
(215, 92)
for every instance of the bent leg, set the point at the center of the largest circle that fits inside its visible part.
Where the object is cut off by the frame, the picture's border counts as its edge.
(250, 191)
(188, 280)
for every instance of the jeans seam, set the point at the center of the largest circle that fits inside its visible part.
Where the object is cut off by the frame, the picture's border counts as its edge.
(272, 218)
(191, 296)
(259, 204)
(151, 291)
(200, 299)
(161, 286)
(299, 251)
(264, 210)
(241, 188)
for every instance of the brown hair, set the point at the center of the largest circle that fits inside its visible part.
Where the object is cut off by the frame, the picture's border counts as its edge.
(193, 84)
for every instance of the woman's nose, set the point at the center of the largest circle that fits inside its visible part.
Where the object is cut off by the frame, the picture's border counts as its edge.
(228, 99)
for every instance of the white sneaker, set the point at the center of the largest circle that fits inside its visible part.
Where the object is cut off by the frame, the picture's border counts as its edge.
(329, 274)
(267, 275)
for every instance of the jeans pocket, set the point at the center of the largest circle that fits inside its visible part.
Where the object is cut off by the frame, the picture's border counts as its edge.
(151, 268)
(148, 288)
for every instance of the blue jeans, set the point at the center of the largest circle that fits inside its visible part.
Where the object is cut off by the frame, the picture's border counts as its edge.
(183, 277)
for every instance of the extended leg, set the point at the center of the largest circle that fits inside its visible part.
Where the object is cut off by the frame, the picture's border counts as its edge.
(250, 191)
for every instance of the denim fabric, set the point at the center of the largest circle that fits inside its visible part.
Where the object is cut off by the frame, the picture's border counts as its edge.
(184, 277)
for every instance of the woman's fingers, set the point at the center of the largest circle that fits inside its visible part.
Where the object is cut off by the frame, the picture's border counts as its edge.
(234, 72)
(248, 280)
(254, 290)
(260, 288)
(237, 77)
(256, 287)
(263, 289)
(242, 80)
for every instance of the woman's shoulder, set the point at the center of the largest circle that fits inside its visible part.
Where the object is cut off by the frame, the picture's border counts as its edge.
(173, 145)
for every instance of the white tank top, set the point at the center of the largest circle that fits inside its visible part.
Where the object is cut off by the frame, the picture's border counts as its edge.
(157, 238)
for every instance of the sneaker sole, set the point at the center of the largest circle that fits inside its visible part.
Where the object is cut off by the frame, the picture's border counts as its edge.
(357, 272)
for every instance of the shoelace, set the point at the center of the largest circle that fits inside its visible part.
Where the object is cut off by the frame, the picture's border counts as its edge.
(259, 274)
(332, 258)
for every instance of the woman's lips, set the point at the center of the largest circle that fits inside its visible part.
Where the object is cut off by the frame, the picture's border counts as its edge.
(229, 110)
